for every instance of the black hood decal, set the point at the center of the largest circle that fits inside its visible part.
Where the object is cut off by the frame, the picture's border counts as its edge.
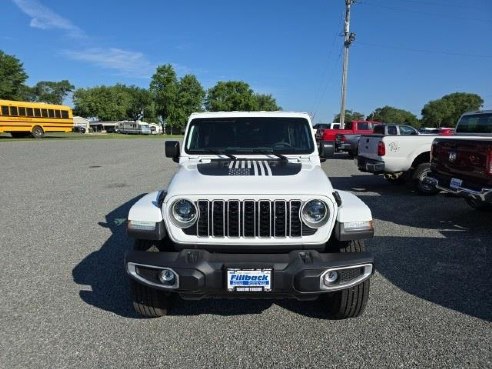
(249, 167)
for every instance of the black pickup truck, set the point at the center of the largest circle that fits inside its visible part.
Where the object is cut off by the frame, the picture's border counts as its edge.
(462, 164)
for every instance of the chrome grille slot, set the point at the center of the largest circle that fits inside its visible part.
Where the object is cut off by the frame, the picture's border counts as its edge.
(249, 218)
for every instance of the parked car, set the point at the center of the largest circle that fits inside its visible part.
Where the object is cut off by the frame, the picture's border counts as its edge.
(328, 136)
(79, 129)
(318, 128)
(249, 213)
(398, 158)
(350, 142)
(442, 131)
(462, 165)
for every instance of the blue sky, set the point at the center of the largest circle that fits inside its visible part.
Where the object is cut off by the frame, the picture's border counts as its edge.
(406, 52)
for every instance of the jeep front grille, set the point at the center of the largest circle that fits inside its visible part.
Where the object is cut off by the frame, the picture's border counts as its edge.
(249, 218)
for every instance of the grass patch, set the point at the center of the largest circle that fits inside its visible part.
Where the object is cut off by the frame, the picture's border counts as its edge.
(5, 137)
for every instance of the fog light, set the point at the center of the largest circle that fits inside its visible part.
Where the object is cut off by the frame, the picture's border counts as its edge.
(330, 277)
(167, 277)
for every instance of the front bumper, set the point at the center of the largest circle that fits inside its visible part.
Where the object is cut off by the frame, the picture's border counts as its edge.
(370, 165)
(202, 274)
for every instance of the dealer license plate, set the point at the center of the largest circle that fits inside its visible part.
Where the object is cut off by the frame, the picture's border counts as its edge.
(455, 183)
(249, 280)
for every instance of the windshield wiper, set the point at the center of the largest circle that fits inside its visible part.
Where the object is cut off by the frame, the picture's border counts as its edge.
(219, 152)
(269, 152)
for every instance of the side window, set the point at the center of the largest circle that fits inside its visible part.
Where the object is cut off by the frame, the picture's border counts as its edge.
(348, 125)
(379, 129)
(30, 112)
(57, 114)
(37, 112)
(392, 131)
(407, 131)
(14, 111)
(5, 110)
(51, 113)
(64, 114)
(22, 111)
(44, 113)
(363, 125)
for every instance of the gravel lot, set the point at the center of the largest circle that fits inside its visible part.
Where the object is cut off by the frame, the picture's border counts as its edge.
(64, 298)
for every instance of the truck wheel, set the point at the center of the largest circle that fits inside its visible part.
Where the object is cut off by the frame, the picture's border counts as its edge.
(37, 132)
(351, 302)
(149, 302)
(419, 175)
(478, 204)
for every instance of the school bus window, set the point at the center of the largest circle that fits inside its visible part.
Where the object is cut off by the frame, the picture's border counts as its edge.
(37, 112)
(57, 113)
(64, 114)
(13, 110)
(5, 110)
(30, 112)
(51, 113)
(45, 113)
(22, 111)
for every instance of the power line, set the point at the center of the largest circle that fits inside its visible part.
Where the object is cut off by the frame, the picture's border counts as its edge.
(442, 52)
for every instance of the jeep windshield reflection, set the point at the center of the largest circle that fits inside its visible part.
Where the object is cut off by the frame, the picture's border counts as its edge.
(249, 135)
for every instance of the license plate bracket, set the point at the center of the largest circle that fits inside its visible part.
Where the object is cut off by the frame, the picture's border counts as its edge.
(455, 183)
(249, 280)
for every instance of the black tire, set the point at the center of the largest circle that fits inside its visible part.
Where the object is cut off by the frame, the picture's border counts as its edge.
(147, 301)
(37, 132)
(478, 204)
(419, 175)
(351, 302)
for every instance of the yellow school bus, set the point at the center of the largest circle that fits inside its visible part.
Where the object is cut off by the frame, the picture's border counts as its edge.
(21, 118)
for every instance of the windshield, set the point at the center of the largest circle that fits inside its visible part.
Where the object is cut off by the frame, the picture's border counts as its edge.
(475, 123)
(249, 135)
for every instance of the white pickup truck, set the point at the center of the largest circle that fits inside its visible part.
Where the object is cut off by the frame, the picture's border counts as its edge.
(399, 158)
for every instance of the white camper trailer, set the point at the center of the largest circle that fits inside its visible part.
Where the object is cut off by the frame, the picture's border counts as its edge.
(131, 127)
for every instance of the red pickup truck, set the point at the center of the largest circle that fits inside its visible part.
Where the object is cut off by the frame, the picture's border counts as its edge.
(354, 127)
(462, 165)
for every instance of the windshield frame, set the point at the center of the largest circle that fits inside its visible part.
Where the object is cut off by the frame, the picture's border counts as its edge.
(242, 150)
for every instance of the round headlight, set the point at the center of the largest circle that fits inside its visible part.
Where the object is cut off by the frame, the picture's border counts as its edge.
(314, 213)
(184, 213)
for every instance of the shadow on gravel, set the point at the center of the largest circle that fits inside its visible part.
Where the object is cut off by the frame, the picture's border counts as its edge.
(104, 282)
(102, 273)
(454, 270)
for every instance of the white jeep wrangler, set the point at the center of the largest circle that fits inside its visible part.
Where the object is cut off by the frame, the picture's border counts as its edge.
(250, 213)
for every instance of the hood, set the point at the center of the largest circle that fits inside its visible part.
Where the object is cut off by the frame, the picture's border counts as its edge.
(249, 177)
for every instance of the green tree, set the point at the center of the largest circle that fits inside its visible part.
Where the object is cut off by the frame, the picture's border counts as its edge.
(266, 103)
(189, 99)
(12, 78)
(231, 96)
(436, 113)
(350, 116)
(389, 114)
(51, 92)
(105, 103)
(164, 90)
(447, 110)
(139, 102)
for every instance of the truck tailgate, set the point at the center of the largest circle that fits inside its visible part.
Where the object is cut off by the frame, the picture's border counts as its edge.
(468, 159)
(368, 146)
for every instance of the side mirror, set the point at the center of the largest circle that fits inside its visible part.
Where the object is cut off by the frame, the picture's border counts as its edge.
(326, 150)
(172, 150)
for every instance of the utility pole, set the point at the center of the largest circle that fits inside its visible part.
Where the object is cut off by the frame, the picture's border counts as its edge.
(348, 38)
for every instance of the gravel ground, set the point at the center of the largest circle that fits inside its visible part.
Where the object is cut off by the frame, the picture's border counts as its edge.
(64, 297)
